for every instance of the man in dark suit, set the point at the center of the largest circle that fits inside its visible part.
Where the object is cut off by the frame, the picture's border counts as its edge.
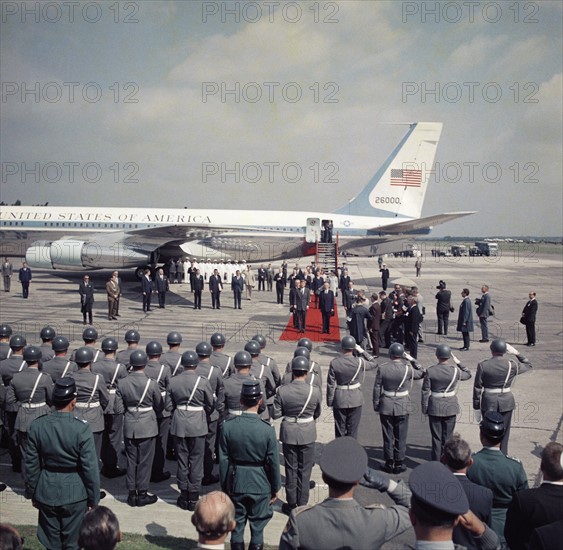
(374, 324)
(86, 291)
(161, 283)
(349, 299)
(215, 287)
(302, 300)
(386, 318)
(326, 305)
(293, 290)
(237, 286)
(25, 279)
(456, 455)
(280, 280)
(414, 318)
(198, 284)
(343, 284)
(384, 276)
(533, 508)
(529, 318)
(262, 275)
(483, 312)
(146, 289)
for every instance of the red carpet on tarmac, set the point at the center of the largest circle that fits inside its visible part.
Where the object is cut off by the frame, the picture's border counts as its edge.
(314, 326)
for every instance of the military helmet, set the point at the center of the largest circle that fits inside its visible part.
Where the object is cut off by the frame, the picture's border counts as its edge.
(138, 358)
(300, 364)
(5, 331)
(132, 336)
(17, 341)
(83, 355)
(492, 425)
(217, 340)
(190, 359)
(31, 354)
(64, 391)
(396, 350)
(174, 338)
(47, 333)
(261, 339)
(252, 347)
(305, 343)
(250, 389)
(60, 343)
(498, 346)
(243, 359)
(301, 351)
(443, 351)
(153, 348)
(109, 344)
(90, 334)
(348, 343)
(203, 349)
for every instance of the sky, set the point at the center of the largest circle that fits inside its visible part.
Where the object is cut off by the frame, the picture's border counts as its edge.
(283, 105)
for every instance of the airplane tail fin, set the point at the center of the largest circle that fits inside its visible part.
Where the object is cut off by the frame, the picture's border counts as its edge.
(398, 188)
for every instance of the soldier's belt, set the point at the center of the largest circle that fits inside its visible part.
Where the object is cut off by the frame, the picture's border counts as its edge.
(112, 391)
(189, 408)
(33, 405)
(88, 405)
(61, 469)
(248, 463)
(349, 386)
(235, 412)
(139, 409)
(442, 393)
(295, 420)
(496, 390)
(388, 393)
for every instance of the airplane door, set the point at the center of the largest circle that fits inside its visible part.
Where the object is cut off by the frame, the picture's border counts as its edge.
(313, 230)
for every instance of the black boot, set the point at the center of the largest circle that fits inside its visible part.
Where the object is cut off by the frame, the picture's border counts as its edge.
(192, 501)
(237, 545)
(399, 468)
(388, 466)
(182, 501)
(132, 498)
(144, 499)
(254, 546)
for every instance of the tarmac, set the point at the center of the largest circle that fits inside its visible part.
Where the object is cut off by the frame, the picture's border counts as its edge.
(539, 394)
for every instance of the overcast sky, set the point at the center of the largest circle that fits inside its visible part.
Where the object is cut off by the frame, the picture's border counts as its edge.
(128, 101)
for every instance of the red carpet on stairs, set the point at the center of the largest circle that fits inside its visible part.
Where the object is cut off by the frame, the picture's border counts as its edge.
(314, 326)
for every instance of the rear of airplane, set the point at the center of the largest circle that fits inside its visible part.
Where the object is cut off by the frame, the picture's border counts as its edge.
(398, 188)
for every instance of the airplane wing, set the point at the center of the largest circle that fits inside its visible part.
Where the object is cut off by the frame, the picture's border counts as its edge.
(417, 224)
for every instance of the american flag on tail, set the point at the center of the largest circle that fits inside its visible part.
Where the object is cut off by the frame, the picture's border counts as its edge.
(403, 177)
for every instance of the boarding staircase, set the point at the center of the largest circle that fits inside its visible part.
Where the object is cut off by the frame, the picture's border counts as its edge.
(327, 255)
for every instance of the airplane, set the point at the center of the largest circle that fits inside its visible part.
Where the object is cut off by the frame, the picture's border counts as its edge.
(385, 213)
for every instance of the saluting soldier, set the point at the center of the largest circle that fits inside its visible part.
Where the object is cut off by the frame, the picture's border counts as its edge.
(439, 400)
(344, 388)
(29, 391)
(492, 387)
(263, 373)
(47, 335)
(90, 336)
(161, 374)
(59, 366)
(218, 358)
(140, 399)
(249, 467)
(92, 395)
(5, 333)
(391, 400)
(215, 377)
(132, 337)
(313, 374)
(300, 405)
(9, 367)
(173, 358)
(190, 400)
(63, 479)
(111, 371)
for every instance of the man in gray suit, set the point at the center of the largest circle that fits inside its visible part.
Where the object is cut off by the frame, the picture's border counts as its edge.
(302, 298)
(483, 312)
(344, 388)
(439, 400)
(492, 388)
(7, 272)
(391, 400)
(300, 405)
(139, 396)
(190, 400)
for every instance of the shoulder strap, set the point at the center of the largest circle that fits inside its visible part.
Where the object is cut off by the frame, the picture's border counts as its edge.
(21, 366)
(144, 392)
(452, 382)
(9, 353)
(507, 374)
(227, 367)
(404, 377)
(210, 372)
(160, 374)
(34, 388)
(94, 388)
(177, 365)
(96, 356)
(115, 374)
(360, 367)
(268, 361)
(193, 391)
(306, 402)
(261, 372)
(66, 369)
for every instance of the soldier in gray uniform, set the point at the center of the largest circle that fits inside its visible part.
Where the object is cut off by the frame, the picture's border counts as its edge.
(139, 397)
(190, 400)
(344, 388)
(47, 335)
(267, 360)
(59, 366)
(173, 358)
(218, 358)
(90, 336)
(132, 337)
(92, 395)
(5, 333)
(340, 521)
(161, 374)
(313, 375)
(215, 377)
(111, 371)
(391, 400)
(439, 399)
(29, 391)
(9, 367)
(492, 387)
(299, 403)
(262, 372)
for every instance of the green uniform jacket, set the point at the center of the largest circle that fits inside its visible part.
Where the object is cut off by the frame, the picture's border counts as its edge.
(61, 462)
(250, 443)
